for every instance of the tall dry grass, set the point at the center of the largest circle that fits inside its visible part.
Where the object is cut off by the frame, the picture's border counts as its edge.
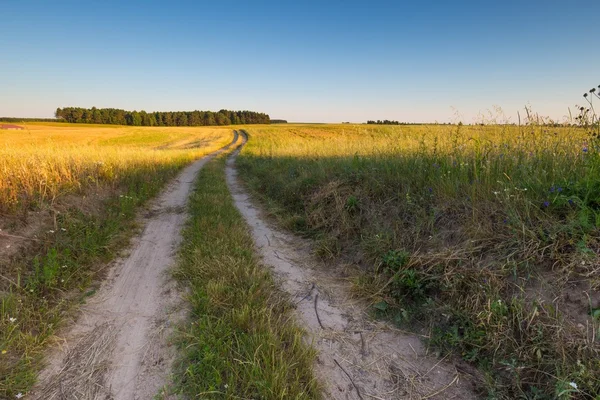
(47, 161)
(486, 236)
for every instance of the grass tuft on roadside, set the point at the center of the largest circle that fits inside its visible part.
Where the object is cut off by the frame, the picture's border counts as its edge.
(240, 340)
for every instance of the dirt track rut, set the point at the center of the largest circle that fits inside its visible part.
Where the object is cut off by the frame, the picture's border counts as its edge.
(358, 358)
(117, 349)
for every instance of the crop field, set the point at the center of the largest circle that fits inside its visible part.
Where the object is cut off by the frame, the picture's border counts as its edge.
(68, 200)
(46, 161)
(483, 238)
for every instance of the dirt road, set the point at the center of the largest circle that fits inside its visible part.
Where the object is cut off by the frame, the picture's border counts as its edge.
(358, 358)
(117, 349)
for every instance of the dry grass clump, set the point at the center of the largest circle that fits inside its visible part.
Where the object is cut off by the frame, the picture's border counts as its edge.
(485, 236)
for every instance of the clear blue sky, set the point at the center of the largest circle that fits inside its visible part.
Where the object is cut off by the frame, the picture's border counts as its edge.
(321, 61)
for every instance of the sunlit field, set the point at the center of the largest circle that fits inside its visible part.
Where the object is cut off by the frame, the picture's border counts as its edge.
(485, 238)
(69, 197)
(46, 161)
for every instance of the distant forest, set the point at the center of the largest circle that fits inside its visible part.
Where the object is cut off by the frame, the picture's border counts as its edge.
(386, 122)
(16, 119)
(169, 118)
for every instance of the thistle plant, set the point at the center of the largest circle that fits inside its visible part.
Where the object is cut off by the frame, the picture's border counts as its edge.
(589, 119)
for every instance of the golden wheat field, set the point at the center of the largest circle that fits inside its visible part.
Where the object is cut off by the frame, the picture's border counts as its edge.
(45, 161)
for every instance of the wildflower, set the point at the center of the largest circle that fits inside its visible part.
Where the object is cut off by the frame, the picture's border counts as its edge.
(496, 193)
(573, 385)
(571, 201)
(63, 229)
(552, 189)
(546, 203)
(3, 352)
(559, 189)
(12, 320)
(585, 149)
(225, 386)
(19, 395)
(50, 231)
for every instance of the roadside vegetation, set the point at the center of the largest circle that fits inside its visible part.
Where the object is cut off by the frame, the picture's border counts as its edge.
(240, 340)
(68, 201)
(484, 237)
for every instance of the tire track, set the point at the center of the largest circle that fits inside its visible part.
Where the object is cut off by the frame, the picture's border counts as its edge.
(117, 349)
(358, 358)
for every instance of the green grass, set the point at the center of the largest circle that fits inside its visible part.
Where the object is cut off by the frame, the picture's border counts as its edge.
(485, 236)
(57, 273)
(240, 340)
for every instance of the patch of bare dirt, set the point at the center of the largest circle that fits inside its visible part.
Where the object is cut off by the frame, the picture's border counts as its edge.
(359, 358)
(22, 235)
(118, 347)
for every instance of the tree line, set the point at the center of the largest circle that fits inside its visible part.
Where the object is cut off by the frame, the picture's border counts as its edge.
(385, 122)
(17, 119)
(160, 118)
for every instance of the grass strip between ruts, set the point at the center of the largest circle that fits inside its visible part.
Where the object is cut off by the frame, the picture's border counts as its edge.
(240, 340)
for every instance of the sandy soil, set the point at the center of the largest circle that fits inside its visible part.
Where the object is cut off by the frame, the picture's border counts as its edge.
(118, 347)
(358, 358)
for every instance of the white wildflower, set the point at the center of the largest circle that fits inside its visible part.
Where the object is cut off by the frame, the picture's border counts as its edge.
(573, 385)
(12, 320)
(19, 395)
